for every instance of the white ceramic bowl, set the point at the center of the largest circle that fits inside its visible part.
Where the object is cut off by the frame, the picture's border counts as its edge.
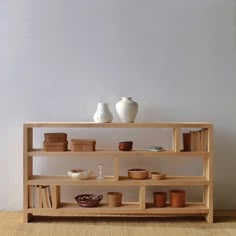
(80, 174)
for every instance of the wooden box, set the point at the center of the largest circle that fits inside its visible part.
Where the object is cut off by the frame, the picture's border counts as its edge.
(55, 146)
(55, 137)
(83, 145)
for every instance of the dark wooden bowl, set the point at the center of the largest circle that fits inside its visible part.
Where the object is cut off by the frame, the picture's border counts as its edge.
(126, 146)
(88, 200)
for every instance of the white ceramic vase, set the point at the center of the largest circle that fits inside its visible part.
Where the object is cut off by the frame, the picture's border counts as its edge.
(127, 109)
(102, 114)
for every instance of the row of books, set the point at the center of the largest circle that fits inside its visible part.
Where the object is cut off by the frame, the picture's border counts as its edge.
(195, 141)
(41, 196)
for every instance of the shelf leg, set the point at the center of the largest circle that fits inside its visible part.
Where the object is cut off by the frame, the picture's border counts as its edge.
(176, 139)
(116, 168)
(209, 203)
(208, 173)
(27, 217)
(142, 197)
(56, 196)
(28, 170)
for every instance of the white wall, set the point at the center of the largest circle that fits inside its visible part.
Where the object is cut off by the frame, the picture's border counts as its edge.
(59, 58)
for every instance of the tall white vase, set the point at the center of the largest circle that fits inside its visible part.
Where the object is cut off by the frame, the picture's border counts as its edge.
(127, 109)
(102, 114)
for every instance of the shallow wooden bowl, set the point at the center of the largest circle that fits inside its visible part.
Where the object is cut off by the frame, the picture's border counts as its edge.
(157, 175)
(138, 173)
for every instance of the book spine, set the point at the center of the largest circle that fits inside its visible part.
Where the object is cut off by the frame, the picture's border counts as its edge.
(44, 197)
(186, 142)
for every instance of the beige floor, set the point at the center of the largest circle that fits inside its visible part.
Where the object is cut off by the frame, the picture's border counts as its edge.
(11, 224)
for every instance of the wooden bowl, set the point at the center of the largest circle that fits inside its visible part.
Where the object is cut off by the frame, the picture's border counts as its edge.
(88, 200)
(157, 175)
(138, 173)
(126, 146)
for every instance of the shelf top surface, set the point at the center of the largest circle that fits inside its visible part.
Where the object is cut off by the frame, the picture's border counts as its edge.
(118, 125)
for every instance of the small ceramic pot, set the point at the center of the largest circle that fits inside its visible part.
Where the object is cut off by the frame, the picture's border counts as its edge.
(159, 199)
(114, 199)
(177, 198)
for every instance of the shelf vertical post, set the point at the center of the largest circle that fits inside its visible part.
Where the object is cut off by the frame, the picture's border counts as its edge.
(28, 169)
(116, 168)
(176, 139)
(208, 173)
(142, 197)
(56, 196)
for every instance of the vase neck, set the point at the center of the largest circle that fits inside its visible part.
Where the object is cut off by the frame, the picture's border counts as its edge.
(102, 105)
(126, 98)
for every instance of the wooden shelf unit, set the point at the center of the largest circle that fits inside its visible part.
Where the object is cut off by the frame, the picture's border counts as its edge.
(140, 208)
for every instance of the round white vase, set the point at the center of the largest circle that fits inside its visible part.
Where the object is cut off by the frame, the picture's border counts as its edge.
(127, 109)
(102, 114)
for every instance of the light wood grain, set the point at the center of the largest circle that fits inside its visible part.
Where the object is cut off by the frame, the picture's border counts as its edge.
(142, 197)
(123, 181)
(56, 196)
(116, 153)
(118, 125)
(116, 168)
(132, 209)
(67, 209)
(176, 139)
(27, 169)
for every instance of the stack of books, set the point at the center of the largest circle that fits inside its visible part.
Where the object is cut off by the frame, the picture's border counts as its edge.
(41, 196)
(196, 141)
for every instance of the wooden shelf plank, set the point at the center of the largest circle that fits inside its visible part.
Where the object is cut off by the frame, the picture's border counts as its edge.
(118, 125)
(124, 181)
(111, 153)
(72, 209)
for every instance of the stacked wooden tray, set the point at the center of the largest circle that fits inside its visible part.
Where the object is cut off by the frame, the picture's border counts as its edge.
(55, 142)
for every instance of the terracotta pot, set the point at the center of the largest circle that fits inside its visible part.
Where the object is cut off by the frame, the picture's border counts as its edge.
(114, 199)
(159, 199)
(177, 198)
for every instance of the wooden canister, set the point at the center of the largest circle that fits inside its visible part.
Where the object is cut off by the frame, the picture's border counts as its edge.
(159, 199)
(114, 199)
(177, 198)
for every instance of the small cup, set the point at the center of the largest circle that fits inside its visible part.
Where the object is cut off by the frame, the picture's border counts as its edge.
(177, 198)
(159, 199)
(114, 199)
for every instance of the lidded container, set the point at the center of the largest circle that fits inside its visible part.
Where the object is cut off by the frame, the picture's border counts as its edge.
(83, 145)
